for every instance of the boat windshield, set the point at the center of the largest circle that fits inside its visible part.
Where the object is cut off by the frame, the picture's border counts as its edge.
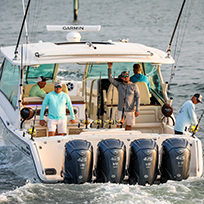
(151, 72)
(95, 70)
(31, 73)
(9, 81)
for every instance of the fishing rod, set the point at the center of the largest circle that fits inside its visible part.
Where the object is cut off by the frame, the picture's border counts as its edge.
(197, 124)
(86, 111)
(86, 117)
(99, 102)
(111, 110)
(21, 30)
(175, 27)
(33, 128)
(123, 110)
(102, 103)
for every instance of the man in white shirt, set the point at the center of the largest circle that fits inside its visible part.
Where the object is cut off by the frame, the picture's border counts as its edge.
(187, 115)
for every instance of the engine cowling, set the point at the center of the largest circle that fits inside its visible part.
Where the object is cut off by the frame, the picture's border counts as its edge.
(78, 162)
(111, 161)
(143, 165)
(176, 156)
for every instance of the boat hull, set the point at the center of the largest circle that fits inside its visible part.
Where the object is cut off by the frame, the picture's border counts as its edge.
(40, 155)
(20, 158)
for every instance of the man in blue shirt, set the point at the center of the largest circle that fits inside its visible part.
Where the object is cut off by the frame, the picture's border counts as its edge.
(57, 101)
(187, 115)
(138, 76)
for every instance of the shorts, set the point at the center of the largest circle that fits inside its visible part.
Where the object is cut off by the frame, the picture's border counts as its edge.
(60, 125)
(129, 117)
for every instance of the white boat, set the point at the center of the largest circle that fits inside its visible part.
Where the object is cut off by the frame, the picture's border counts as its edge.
(94, 149)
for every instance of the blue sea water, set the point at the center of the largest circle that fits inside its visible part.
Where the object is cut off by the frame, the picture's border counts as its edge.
(143, 21)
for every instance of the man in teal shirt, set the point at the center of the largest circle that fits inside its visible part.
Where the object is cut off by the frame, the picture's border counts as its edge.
(57, 101)
(138, 76)
(37, 90)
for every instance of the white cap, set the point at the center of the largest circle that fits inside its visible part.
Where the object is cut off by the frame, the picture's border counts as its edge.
(41, 78)
(59, 83)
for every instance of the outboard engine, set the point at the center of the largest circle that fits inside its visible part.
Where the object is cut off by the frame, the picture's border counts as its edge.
(143, 165)
(175, 159)
(111, 161)
(78, 162)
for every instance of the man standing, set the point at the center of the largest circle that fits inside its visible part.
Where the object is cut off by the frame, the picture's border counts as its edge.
(57, 101)
(187, 115)
(128, 95)
(138, 76)
(37, 90)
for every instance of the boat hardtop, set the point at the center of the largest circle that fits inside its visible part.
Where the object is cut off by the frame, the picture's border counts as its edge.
(82, 52)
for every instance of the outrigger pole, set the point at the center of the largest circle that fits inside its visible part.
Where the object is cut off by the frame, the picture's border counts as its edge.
(21, 30)
(172, 36)
(26, 26)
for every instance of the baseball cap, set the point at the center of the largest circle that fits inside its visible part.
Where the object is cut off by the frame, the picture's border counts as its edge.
(124, 73)
(41, 78)
(59, 83)
(198, 97)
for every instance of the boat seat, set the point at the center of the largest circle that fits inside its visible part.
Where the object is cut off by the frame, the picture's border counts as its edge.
(149, 114)
(144, 93)
(32, 100)
(48, 88)
(112, 91)
(38, 100)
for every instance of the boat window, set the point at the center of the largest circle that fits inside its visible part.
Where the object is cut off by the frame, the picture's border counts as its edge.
(9, 82)
(155, 81)
(31, 73)
(95, 70)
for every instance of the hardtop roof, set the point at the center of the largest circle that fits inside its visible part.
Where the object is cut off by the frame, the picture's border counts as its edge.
(85, 52)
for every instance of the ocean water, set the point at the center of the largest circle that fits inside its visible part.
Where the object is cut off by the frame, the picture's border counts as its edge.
(143, 21)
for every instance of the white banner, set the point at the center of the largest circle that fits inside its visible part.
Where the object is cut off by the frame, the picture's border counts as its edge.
(78, 28)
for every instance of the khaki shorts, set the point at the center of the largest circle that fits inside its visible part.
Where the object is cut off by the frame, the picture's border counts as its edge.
(129, 117)
(60, 125)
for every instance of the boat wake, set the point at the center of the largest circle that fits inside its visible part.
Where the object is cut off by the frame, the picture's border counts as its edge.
(168, 193)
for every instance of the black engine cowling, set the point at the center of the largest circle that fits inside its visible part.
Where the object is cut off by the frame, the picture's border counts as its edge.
(78, 162)
(111, 161)
(175, 159)
(143, 165)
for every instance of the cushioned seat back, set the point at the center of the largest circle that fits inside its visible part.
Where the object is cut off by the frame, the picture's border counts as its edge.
(27, 89)
(143, 89)
(112, 93)
(48, 88)
(144, 93)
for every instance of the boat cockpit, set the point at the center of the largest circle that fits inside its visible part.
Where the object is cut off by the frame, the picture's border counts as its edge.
(92, 96)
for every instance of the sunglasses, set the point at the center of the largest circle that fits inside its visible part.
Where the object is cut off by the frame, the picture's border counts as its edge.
(58, 87)
(125, 76)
